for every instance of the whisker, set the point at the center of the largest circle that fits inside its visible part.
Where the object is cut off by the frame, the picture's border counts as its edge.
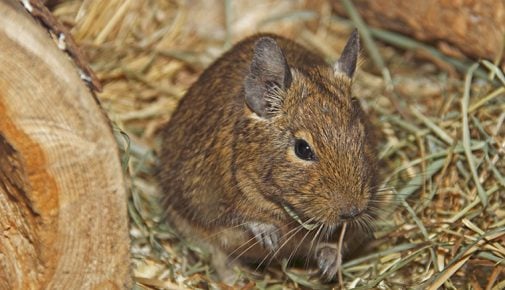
(243, 252)
(296, 231)
(298, 246)
(311, 245)
(248, 248)
(209, 237)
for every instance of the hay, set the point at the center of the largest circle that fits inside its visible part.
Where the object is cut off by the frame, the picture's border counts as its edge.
(443, 139)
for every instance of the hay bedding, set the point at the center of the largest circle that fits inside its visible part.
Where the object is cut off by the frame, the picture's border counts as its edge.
(443, 141)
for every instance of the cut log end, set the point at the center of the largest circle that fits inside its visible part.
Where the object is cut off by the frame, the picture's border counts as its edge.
(63, 218)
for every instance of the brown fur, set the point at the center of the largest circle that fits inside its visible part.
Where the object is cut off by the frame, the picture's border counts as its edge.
(222, 166)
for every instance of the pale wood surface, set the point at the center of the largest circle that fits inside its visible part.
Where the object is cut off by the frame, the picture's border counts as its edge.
(475, 28)
(63, 218)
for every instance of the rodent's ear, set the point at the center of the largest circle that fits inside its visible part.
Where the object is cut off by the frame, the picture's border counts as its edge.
(269, 75)
(346, 64)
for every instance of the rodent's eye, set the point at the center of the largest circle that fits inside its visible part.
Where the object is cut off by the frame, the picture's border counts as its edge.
(303, 151)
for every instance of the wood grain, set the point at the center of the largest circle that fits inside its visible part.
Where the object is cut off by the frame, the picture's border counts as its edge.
(63, 219)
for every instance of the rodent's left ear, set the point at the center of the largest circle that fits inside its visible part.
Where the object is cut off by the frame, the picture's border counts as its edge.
(269, 72)
(346, 64)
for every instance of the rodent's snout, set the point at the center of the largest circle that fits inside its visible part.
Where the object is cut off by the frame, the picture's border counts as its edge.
(350, 212)
(340, 212)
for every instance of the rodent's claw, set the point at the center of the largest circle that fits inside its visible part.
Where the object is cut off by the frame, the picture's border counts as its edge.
(267, 235)
(329, 261)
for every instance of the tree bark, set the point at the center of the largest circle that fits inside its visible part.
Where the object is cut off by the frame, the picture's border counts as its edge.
(63, 218)
(475, 28)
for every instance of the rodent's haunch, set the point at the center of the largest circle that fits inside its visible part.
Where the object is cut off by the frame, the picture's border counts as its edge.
(269, 154)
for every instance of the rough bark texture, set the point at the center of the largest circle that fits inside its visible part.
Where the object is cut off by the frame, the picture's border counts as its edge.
(474, 27)
(63, 219)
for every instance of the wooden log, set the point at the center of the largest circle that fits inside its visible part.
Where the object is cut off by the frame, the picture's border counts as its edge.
(63, 217)
(475, 28)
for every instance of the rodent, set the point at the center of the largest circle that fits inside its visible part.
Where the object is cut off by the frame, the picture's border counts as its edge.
(269, 137)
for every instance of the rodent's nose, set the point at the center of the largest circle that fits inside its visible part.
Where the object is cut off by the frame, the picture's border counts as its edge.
(350, 212)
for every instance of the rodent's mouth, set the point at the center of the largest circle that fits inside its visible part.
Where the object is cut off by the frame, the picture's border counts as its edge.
(312, 223)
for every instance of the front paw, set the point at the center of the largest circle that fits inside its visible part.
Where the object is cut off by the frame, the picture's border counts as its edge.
(329, 261)
(266, 234)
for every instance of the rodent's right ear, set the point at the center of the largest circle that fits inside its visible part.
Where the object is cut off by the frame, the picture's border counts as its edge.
(268, 76)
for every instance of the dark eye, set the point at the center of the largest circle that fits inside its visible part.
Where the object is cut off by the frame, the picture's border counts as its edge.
(303, 151)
